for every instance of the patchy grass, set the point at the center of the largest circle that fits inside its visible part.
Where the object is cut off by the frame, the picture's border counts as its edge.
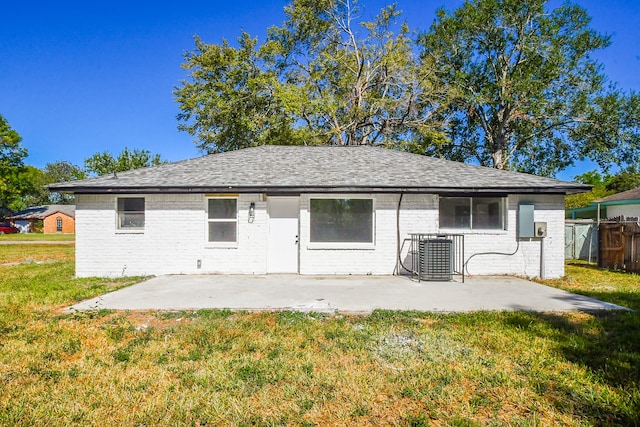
(217, 367)
(611, 286)
(22, 237)
(26, 285)
(32, 253)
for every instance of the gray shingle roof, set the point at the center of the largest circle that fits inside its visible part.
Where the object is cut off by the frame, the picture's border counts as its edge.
(41, 212)
(290, 169)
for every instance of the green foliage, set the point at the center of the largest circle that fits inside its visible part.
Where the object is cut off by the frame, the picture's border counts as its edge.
(105, 163)
(610, 131)
(593, 178)
(32, 184)
(318, 79)
(582, 200)
(32, 187)
(229, 102)
(23, 186)
(357, 84)
(603, 185)
(503, 83)
(528, 94)
(12, 154)
(62, 171)
(626, 180)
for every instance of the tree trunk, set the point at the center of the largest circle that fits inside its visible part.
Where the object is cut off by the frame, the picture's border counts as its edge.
(498, 155)
(498, 162)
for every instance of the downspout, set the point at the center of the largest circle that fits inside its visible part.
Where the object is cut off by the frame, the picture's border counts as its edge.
(399, 263)
(542, 266)
(597, 236)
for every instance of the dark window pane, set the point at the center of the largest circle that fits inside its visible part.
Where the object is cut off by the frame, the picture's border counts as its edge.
(487, 213)
(131, 212)
(222, 231)
(455, 212)
(222, 209)
(342, 220)
(131, 204)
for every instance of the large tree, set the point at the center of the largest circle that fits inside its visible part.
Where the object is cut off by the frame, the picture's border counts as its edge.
(33, 188)
(322, 77)
(62, 171)
(529, 95)
(105, 163)
(229, 101)
(32, 184)
(12, 155)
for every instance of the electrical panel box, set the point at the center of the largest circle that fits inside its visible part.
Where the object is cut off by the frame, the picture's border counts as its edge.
(541, 229)
(525, 220)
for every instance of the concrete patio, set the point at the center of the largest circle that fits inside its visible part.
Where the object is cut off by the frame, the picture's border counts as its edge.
(340, 293)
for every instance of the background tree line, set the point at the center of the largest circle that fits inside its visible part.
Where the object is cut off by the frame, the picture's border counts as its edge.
(23, 185)
(509, 84)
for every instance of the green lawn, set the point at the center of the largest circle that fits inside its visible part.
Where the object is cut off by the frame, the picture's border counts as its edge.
(37, 236)
(387, 368)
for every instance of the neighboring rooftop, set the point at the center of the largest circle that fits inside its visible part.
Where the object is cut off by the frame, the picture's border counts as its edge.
(282, 169)
(620, 197)
(41, 212)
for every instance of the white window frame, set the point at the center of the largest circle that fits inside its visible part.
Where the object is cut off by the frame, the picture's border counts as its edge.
(343, 245)
(217, 243)
(59, 224)
(503, 215)
(126, 229)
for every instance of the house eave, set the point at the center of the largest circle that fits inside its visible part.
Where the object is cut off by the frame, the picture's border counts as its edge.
(282, 190)
(616, 202)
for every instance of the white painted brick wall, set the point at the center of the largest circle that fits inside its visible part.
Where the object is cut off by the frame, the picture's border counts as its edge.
(174, 239)
(419, 214)
(526, 261)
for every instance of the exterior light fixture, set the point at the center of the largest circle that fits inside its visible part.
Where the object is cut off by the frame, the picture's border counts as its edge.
(252, 211)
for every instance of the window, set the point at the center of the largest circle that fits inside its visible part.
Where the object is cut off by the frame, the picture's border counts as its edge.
(222, 217)
(476, 213)
(131, 213)
(342, 220)
(58, 225)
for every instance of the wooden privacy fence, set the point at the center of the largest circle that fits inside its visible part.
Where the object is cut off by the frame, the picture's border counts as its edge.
(619, 244)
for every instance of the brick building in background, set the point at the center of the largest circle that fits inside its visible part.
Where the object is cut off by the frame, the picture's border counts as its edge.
(49, 219)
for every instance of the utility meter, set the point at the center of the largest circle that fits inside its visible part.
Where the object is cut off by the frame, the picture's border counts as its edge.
(540, 229)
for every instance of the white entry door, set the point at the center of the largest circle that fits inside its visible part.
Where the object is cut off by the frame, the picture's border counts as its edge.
(283, 234)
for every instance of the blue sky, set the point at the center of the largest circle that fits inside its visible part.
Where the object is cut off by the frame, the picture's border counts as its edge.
(80, 77)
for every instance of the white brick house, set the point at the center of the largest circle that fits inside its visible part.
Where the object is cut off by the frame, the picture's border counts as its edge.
(312, 210)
